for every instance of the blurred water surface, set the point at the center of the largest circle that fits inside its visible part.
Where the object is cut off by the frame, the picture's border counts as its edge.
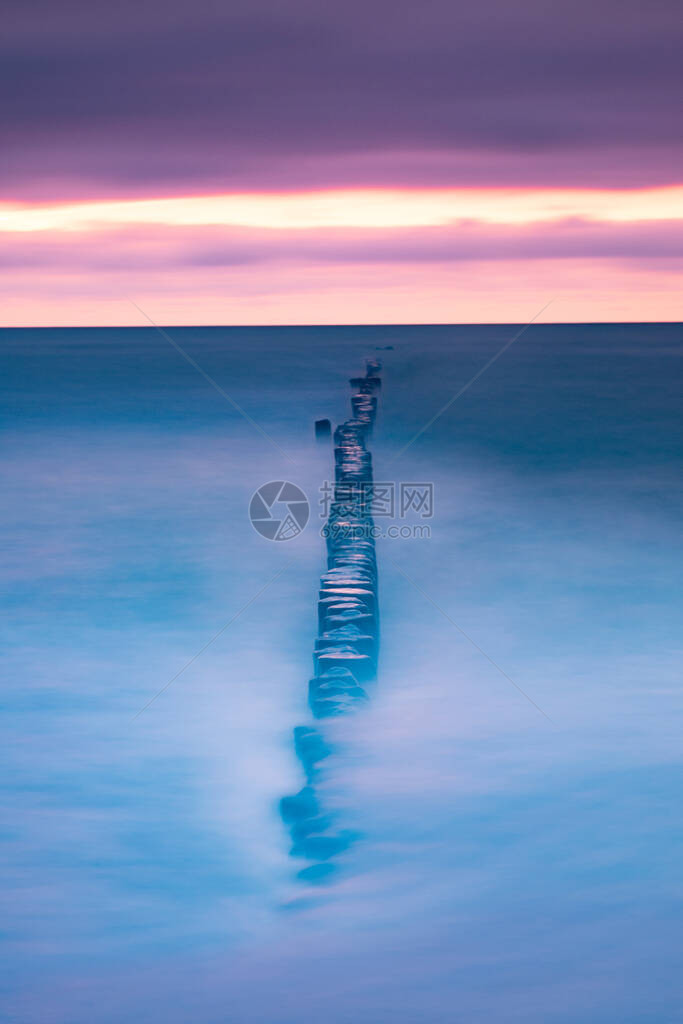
(507, 867)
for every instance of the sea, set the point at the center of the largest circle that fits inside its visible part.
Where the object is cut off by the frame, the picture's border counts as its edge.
(510, 794)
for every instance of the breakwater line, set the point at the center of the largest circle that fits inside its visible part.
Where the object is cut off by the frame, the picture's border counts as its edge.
(346, 649)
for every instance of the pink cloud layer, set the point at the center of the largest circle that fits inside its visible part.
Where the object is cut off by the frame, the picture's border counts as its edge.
(481, 291)
(466, 271)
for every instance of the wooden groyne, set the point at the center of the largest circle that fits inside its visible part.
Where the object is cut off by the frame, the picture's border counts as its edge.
(347, 646)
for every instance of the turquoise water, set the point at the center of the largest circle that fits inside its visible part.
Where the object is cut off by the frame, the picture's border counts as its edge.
(507, 866)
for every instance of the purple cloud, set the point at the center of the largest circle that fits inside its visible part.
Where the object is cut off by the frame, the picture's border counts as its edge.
(148, 248)
(124, 99)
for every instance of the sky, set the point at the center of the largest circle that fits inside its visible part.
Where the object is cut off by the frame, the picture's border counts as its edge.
(270, 162)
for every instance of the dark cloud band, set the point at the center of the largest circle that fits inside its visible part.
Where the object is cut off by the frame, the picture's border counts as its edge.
(131, 97)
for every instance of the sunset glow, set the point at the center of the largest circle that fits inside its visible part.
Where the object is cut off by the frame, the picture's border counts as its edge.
(292, 165)
(349, 255)
(354, 208)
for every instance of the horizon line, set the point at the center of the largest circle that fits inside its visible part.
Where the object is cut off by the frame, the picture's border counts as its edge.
(318, 326)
